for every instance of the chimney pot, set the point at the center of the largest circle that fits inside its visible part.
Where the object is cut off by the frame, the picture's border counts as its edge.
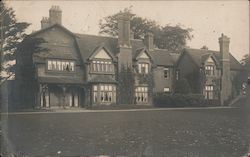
(55, 15)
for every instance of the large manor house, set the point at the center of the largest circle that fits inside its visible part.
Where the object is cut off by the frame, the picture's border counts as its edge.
(78, 70)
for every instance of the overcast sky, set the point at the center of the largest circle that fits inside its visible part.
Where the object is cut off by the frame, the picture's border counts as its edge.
(207, 18)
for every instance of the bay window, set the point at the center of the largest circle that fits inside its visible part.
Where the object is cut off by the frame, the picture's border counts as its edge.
(209, 92)
(141, 94)
(104, 93)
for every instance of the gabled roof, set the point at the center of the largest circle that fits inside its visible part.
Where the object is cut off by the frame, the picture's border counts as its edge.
(99, 48)
(205, 57)
(50, 27)
(65, 50)
(87, 44)
(140, 51)
(199, 56)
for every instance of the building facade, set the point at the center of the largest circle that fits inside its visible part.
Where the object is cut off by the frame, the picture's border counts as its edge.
(78, 70)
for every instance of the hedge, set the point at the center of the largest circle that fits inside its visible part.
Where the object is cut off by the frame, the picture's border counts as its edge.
(182, 100)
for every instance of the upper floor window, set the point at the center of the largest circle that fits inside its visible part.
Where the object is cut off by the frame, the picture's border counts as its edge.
(61, 65)
(209, 70)
(166, 73)
(143, 68)
(177, 74)
(102, 66)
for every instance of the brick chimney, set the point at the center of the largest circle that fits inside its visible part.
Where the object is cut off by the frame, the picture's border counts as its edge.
(45, 22)
(55, 15)
(124, 29)
(124, 43)
(149, 41)
(226, 84)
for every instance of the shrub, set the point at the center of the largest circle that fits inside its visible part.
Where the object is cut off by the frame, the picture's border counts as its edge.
(182, 100)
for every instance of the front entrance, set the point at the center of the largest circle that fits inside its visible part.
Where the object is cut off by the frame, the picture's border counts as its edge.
(60, 96)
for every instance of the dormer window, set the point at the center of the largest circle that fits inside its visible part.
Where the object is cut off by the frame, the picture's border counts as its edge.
(143, 68)
(60, 65)
(209, 69)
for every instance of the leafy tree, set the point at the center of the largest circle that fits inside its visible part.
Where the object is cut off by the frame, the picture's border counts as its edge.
(168, 37)
(13, 33)
(13, 43)
(245, 60)
(242, 76)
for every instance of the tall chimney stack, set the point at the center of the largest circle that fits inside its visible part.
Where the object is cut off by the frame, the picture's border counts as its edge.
(55, 15)
(124, 29)
(149, 41)
(226, 84)
(45, 22)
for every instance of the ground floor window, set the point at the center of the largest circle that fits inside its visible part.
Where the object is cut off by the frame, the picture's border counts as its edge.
(166, 89)
(209, 92)
(141, 94)
(104, 93)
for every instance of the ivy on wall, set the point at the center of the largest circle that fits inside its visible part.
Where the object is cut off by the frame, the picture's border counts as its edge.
(126, 85)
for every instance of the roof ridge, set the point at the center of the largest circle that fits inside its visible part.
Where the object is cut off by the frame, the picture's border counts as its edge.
(103, 36)
(202, 49)
(94, 35)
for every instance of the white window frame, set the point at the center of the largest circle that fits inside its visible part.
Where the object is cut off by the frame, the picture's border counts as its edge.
(166, 89)
(60, 65)
(209, 92)
(141, 94)
(141, 66)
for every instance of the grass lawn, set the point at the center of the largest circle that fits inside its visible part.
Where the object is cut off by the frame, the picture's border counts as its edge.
(173, 133)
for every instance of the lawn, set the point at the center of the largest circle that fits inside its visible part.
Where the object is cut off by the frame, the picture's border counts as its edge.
(174, 133)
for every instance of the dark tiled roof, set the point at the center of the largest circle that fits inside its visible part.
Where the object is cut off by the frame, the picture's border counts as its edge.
(175, 56)
(162, 57)
(88, 43)
(60, 80)
(200, 55)
(102, 79)
(65, 52)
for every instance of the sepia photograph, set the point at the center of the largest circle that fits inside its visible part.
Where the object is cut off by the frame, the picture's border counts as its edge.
(124, 78)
